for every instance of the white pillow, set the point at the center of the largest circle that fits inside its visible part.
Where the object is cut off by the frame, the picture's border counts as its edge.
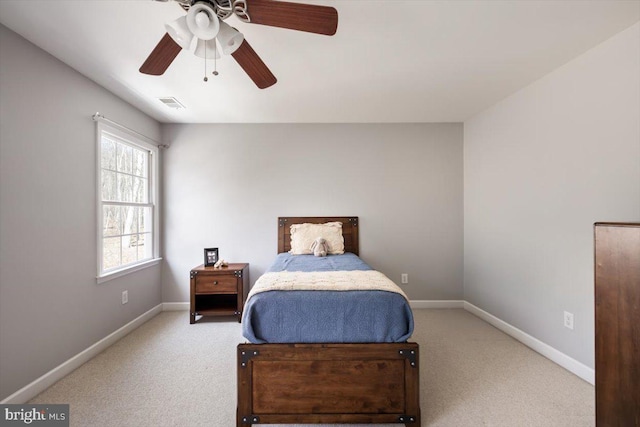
(303, 235)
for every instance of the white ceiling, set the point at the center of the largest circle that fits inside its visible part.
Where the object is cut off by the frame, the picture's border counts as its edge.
(390, 61)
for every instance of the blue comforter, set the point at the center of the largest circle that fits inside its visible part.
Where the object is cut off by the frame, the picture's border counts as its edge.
(325, 316)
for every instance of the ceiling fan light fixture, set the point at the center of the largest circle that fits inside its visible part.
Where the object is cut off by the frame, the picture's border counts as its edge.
(203, 21)
(230, 39)
(207, 49)
(179, 32)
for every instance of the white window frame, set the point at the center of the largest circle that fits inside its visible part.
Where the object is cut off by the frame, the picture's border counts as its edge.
(141, 142)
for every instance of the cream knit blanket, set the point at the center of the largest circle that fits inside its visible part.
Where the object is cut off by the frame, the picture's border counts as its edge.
(368, 280)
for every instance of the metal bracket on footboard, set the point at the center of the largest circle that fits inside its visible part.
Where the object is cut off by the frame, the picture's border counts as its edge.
(245, 356)
(411, 356)
(407, 419)
(250, 419)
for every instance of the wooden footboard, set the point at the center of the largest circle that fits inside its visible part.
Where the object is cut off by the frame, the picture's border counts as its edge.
(328, 383)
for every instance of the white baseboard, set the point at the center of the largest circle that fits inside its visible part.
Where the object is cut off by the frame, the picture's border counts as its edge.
(39, 385)
(436, 304)
(570, 364)
(175, 306)
(45, 381)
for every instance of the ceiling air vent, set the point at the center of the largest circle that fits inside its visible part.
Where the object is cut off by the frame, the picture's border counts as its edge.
(171, 102)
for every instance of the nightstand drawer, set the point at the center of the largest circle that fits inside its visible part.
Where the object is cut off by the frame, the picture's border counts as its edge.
(216, 284)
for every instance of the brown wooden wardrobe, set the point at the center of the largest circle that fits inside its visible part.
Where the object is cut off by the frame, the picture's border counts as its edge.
(617, 324)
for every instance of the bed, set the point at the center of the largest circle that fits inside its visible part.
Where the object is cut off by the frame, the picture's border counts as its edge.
(294, 381)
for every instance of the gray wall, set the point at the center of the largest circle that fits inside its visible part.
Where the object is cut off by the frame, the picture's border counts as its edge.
(225, 186)
(50, 305)
(540, 168)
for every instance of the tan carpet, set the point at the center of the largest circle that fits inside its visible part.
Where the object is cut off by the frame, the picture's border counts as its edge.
(170, 373)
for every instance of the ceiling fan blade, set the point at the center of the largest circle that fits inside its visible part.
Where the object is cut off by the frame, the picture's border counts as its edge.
(251, 63)
(294, 16)
(162, 56)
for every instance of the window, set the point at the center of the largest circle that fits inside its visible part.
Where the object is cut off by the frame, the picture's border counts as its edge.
(127, 214)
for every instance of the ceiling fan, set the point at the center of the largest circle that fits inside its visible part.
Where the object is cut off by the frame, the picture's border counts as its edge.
(205, 23)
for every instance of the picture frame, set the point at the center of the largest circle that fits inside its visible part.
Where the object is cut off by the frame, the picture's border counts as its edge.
(210, 256)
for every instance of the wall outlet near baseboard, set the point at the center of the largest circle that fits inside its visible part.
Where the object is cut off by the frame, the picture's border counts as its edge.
(125, 297)
(568, 320)
(405, 278)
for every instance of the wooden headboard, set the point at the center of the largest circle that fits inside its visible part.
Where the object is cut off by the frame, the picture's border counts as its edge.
(349, 230)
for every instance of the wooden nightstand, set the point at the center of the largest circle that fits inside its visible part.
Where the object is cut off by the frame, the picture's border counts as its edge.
(219, 291)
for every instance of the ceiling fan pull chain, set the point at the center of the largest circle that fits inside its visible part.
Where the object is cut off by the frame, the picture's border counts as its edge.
(206, 79)
(215, 58)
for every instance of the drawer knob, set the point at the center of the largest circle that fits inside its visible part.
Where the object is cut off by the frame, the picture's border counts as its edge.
(215, 282)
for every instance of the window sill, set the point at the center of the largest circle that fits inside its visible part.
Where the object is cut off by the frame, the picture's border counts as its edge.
(128, 270)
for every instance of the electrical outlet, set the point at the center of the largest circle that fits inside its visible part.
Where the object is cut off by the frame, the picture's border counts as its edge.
(405, 278)
(568, 320)
(125, 297)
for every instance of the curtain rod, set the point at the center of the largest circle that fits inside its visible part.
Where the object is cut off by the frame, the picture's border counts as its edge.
(97, 117)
